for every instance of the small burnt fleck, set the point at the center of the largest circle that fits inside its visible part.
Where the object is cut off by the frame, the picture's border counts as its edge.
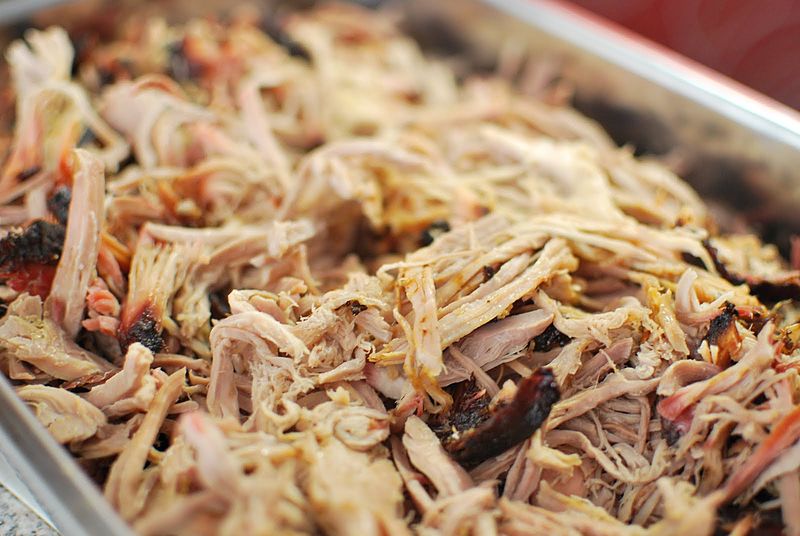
(273, 28)
(356, 308)
(670, 431)
(145, 330)
(161, 443)
(27, 173)
(105, 76)
(87, 138)
(694, 260)
(488, 272)
(39, 243)
(58, 203)
(219, 305)
(3, 309)
(179, 66)
(129, 160)
(81, 44)
(510, 424)
(432, 232)
(549, 339)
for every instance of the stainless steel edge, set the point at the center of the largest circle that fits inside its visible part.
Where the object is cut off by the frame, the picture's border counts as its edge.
(660, 66)
(15, 10)
(739, 146)
(73, 502)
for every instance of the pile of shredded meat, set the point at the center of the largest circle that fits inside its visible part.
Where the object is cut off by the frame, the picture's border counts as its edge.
(295, 277)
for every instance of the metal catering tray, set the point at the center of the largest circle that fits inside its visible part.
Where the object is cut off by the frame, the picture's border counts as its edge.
(738, 147)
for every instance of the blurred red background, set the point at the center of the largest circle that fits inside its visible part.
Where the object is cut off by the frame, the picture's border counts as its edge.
(755, 42)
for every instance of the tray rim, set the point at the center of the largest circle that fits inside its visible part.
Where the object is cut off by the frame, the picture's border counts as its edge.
(658, 64)
(77, 506)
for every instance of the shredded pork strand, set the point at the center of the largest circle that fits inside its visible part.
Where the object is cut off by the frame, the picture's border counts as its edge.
(279, 277)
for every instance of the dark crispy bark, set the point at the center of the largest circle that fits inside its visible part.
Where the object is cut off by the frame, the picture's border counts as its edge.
(549, 339)
(356, 308)
(509, 424)
(670, 431)
(772, 290)
(40, 243)
(775, 290)
(28, 258)
(721, 323)
(723, 333)
(433, 231)
(688, 258)
(673, 430)
(58, 203)
(470, 408)
(219, 305)
(144, 327)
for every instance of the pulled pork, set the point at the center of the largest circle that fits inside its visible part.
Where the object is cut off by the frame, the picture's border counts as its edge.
(305, 280)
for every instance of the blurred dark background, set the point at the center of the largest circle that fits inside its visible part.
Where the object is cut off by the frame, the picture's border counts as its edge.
(756, 42)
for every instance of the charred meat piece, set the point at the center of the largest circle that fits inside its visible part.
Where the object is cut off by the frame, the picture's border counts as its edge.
(789, 338)
(509, 424)
(356, 308)
(775, 290)
(723, 334)
(673, 430)
(39, 243)
(219, 305)
(469, 410)
(142, 327)
(694, 260)
(783, 287)
(58, 203)
(155, 272)
(670, 431)
(28, 258)
(549, 339)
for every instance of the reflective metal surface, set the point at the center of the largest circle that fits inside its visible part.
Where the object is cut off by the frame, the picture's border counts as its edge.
(737, 147)
(15, 10)
(73, 502)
